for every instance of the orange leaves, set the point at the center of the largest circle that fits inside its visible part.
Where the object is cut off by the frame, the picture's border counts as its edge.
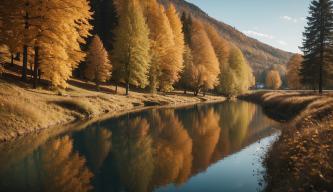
(293, 70)
(273, 80)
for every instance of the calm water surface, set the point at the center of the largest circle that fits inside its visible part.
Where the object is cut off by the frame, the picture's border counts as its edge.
(212, 147)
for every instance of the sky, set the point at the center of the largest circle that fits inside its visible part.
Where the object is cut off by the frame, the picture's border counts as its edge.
(279, 23)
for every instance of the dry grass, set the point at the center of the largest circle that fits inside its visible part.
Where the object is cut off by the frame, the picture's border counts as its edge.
(24, 110)
(81, 106)
(302, 158)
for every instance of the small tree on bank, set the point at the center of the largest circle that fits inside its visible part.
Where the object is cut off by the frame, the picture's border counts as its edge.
(273, 80)
(98, 64)
(293, 68)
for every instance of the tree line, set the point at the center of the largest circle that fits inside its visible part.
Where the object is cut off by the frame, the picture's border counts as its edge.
(138, 43)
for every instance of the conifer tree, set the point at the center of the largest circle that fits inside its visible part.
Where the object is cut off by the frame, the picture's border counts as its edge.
(186, 76)
(98, 64)
(205, 74)
(164, 71)
(131, 54)
(187, 23)
(293, 68)
(177, 28)
(317, 45)
(221, 46)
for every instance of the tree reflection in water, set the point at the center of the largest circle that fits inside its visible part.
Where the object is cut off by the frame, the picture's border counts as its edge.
(141, 151)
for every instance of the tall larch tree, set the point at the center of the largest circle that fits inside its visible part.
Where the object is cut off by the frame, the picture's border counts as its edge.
(293, 69)
(316, 68)
(163, 71)
(177, 29)
(221, 45)
(98, 67)
(185, 81)
(205, 74)
(131, 54)
(273, 80)
(57, 41)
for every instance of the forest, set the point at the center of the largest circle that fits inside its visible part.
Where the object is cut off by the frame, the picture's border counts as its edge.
(141, 44)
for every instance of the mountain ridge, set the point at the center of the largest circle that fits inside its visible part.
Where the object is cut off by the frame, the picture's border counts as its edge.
(261, 56)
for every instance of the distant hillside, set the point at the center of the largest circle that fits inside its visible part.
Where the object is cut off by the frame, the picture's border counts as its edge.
(260, 56)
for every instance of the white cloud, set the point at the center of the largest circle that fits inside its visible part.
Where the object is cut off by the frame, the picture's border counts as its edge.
(282, 42)
(293, 19)
(288, 18)
(258, 34)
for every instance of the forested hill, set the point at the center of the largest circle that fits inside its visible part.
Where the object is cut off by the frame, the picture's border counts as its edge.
(260, 56)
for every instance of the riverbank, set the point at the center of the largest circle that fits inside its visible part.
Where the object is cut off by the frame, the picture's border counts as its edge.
(24, 110)
(302, 158)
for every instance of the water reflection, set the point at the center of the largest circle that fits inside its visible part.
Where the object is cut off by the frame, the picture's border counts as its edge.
(137, 152)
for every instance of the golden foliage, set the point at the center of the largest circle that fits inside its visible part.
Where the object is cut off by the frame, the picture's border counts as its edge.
(98, 67)
(293, 70)
(166, 60)
(59, 39)
(206, 65)
(236, 77)
(131, 57)
(273, 79)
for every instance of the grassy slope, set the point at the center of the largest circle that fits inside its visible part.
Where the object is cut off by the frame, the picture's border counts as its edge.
(24, 110)
(302, 158)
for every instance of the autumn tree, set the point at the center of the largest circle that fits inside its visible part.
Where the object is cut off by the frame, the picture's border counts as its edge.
(316, 67)
(206, 65)
(178, 35)
(16, 28)
(221, 46)
(185, 81)
(236, 76)
(164, 69)
(98, 64)
(131, 54)
(273, 80)
(187, 24)
(293, 69)
(57, 43)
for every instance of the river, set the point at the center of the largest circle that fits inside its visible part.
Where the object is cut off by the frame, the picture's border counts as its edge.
(206, 147)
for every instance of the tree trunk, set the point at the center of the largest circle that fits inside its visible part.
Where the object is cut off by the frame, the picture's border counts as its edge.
(31, 70)
(97, 85)
(25, 47)
(25, 63)
(36, 67)
(12, 60)
(116, 88)
(185, 92)
(127, 88)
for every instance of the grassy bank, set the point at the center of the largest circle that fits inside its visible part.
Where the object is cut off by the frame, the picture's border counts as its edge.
(302, 158)
(24, 110)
